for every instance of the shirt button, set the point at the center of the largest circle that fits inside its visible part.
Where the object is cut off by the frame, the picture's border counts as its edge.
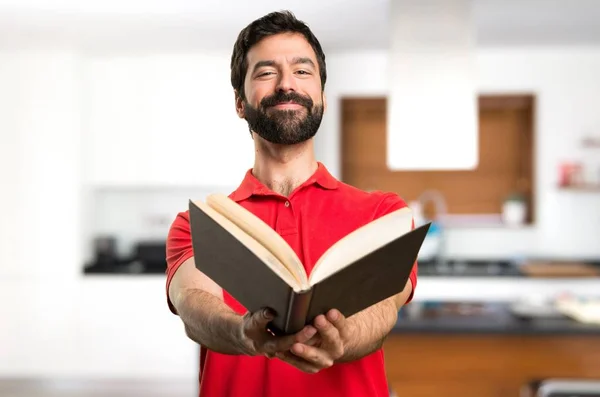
(287, 203)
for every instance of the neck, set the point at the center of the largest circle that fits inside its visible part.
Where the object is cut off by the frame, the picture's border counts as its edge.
(282, 168)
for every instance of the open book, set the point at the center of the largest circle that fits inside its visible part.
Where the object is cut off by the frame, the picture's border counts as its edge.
(255, 265)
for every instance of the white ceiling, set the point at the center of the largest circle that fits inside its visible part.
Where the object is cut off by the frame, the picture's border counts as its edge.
(339, 24)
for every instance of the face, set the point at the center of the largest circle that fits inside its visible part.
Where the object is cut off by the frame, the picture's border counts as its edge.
(284, 103)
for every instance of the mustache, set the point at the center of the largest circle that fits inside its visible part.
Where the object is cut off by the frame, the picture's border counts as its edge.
(281, 97)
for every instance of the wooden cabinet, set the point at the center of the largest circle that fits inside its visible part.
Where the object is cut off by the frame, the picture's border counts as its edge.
(480, 365)
(506, 156)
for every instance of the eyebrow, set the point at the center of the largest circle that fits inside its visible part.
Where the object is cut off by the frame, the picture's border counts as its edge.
(295, 61)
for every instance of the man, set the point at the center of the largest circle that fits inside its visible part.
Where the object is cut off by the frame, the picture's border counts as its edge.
(278, 75)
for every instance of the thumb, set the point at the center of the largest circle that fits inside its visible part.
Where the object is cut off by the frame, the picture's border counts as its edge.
(261, 318)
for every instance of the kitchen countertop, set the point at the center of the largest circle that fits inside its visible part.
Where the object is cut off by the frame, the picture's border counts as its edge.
(488, 318)
(469, 268)
(485, 268)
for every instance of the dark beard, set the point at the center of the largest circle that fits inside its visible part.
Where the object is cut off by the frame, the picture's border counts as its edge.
(286, 126)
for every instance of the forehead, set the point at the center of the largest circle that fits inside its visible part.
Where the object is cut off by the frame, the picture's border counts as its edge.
(281, 48)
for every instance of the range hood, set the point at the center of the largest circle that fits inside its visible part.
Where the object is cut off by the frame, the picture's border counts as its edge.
(432, 111)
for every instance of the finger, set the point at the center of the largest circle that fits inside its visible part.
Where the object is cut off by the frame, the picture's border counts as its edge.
(331, 338)
(284, 343)
(305, 334)
(280, 344)
(328, 332)
(261, 318)
(336, 318)
(298, 362)
(315, 356)
(256, 323)
(314, 341)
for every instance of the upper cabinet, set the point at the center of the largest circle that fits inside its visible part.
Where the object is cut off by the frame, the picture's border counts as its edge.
(162, 120)
(504, 173)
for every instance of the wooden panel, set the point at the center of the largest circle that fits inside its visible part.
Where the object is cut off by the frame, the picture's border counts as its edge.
(480, 365)
(484, 189)
(473, 388)
(506, 156)
(363, 134)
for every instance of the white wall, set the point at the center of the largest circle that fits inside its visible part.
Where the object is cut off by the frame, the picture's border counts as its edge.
(53, 321)
(567, 88)
(162, 120)
(41, 163)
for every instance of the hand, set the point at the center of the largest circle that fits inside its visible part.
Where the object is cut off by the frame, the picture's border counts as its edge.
(323, 349)
(257, 340)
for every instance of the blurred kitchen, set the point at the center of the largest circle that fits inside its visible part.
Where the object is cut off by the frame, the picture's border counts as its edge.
(114, 113)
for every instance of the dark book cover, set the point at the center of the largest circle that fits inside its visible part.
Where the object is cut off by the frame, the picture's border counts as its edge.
(236, 269)
(378, 275)
(229, 263)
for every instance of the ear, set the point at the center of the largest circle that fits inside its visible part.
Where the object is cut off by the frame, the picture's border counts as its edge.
(324, 101)
(239, 104)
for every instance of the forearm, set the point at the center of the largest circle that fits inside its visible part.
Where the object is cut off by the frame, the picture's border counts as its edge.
(210, 322)
(368, 329)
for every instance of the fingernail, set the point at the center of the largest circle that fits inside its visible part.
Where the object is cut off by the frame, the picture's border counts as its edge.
(321, 321)
(310, 331)
(333, 315)
(267, 313)
(298, 348)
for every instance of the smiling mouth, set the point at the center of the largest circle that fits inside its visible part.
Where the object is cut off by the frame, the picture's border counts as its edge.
(288, 105)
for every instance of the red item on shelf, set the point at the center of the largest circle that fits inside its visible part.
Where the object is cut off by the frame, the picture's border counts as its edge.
(570, 174)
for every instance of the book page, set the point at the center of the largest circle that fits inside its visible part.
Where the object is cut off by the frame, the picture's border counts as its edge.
(254, 246)
(260, 231)
(361, 242)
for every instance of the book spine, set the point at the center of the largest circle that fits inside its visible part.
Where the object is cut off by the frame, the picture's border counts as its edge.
(297, 311)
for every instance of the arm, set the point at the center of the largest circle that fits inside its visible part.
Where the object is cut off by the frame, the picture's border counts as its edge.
(211, 323)
(207, 319)
(366, 331)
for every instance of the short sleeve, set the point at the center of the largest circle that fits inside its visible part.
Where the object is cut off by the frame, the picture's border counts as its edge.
(389, 203)
(179, 248)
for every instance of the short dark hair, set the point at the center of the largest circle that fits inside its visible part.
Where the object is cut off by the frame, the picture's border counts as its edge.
(268, 25)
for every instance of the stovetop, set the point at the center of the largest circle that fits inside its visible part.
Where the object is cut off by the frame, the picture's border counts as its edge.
(469, 268)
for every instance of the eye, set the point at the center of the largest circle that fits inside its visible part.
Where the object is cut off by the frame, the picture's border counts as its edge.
(304, 72)
(265, 74)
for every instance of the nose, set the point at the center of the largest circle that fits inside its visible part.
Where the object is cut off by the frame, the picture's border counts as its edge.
(287, 81)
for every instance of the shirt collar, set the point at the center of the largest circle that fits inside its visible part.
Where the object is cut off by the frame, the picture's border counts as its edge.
(252, 186)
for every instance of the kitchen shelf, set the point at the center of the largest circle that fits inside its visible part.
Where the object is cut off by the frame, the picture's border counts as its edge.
(582, 188)
(591, 142)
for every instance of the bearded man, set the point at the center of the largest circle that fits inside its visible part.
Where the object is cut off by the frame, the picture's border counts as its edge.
(278, 74)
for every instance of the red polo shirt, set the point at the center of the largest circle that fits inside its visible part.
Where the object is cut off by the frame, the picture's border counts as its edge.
(315, 216)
